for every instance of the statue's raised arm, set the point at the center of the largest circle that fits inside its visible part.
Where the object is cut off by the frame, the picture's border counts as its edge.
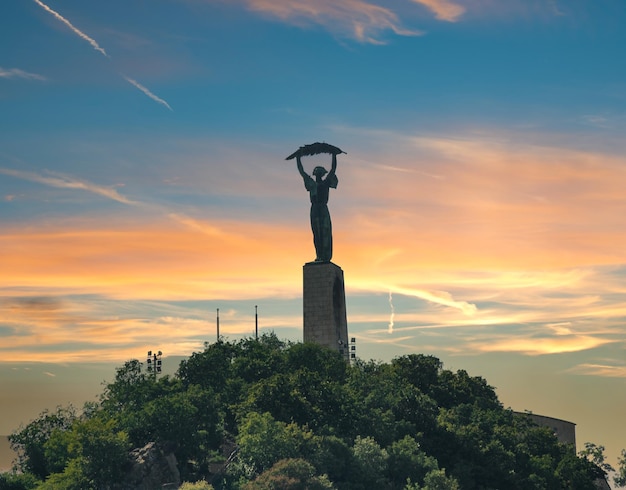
(300, 168)
(333, 167)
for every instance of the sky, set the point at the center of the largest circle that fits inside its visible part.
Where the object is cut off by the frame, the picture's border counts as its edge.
(480, 214)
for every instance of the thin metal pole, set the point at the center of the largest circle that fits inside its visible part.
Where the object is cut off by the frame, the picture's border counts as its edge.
(256, 323)
(218, 324)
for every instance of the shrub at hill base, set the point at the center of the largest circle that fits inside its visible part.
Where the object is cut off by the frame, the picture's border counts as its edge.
(264, 413)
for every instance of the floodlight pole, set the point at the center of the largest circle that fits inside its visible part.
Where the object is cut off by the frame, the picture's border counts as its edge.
(154, 362)
(352, 350)
(218, 324)
(256, 323)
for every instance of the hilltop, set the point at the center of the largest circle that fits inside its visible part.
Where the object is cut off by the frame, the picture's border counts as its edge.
(249, 414)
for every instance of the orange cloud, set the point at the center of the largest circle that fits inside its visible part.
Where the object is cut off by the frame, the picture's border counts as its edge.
(443, 9)
(474, 231)
(478, 203)
(160, 260)
(541, 346)
(360, 19)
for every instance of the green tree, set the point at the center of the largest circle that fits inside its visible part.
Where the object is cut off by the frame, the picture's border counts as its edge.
(102, 450)
(280, 395)
(58, 449)
(595, 454)
(365, 425)
(419, 370)
(29, 441)
(93, 451)
(406, 461)
(454, 389)
(437, 480)
(370, 464)
(72, 478)
(620, 478)
(199, 485)
(481, 447)
(262, 442)
(385, 405)
(130, 390)
(576, 473)
(187, 419)
(290, 474)
(304, 397)
(211, 368)
(434, 480)
(18, 481)
(328, 364)
(330, 455)
(260, 358)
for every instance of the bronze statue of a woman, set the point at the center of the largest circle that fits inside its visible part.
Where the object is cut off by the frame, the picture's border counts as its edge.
(319, 188)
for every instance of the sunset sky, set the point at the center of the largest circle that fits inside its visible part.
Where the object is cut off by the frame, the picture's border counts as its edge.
(480, 214)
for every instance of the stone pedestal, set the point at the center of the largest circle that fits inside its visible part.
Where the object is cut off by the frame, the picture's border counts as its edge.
(324, 301)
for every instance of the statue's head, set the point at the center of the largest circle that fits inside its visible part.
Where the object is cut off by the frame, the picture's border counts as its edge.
(319, 171)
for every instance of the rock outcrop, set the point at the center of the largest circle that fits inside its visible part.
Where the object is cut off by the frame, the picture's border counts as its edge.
(152, 467)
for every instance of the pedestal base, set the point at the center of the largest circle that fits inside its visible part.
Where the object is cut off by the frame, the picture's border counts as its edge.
(324, 302)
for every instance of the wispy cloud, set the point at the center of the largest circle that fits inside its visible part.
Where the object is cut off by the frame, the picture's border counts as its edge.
(54, 179)
(83, 329)
(443, 9)
(603, 370)
(74, 29)
(368, 21)
(359, 19)
(66, 182)
(147, 92)
(194, 224)
(555, 7)
(17, 73)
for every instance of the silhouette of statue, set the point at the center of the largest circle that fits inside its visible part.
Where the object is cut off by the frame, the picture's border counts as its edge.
(319, 188)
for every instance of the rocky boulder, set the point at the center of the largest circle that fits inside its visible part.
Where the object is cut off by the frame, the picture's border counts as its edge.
(152, 467)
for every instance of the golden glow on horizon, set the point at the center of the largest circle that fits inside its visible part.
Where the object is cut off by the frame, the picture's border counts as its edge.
(479, 235)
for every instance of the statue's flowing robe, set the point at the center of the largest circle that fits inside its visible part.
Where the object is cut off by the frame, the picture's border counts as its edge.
(320, 216)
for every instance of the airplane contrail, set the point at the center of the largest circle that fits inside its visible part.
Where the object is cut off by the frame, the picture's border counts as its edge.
(393, 313)
(97, 47)
(439, 297)
(147, 92)
(75, 30)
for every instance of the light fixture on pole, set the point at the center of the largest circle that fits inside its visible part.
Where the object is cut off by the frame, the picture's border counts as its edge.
(154, 362)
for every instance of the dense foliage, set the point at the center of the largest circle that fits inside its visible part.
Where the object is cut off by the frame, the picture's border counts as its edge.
(259, 414)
